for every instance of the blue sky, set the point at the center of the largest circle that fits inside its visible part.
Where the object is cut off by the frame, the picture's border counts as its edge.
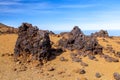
(62, 14)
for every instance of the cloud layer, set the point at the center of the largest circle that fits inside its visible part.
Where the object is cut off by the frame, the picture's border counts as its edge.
(62, 14)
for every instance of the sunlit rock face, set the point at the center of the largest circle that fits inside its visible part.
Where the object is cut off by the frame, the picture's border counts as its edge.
(32, 41)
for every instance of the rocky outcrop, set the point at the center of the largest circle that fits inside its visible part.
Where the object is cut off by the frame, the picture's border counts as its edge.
(101, 33)
(32, 41)
(77, 40)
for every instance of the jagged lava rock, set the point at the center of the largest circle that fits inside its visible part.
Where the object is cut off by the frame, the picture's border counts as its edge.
(33, 41)
(77, 40)
(101, 33)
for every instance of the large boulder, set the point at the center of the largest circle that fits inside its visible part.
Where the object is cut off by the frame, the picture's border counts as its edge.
(76, 30)
(74, 40)
(32, 41)
(77, 40)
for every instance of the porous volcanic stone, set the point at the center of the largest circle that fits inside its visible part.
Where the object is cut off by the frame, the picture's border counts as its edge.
(33, 41)
(76, 40)
(98, 75)
(101, 33)
(116, 76)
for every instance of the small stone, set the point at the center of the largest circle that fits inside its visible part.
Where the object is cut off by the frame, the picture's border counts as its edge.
(84, 64)
(91, 57)
(108, 59)
(61, 72)
(47, 74)
(62, 59)
(111, 59)
(98, 75)
(96, 59)
(2, 55)
(116, 76)
(76, 59)
(11, 54)
(69, 75)
(28, 61)
(8, 54)
(82, 71)
(113, 51)
(115, 60)
(18, 62)
(15, 69)
(117, 54)
(72, 55)
(50, 69)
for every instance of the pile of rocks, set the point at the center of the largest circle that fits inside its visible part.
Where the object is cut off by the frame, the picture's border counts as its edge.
(32, 41)
(101, 33)
(77, 40)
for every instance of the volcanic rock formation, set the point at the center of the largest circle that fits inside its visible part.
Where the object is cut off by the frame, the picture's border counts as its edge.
(101, 33)
(32, 41)
(77, 40)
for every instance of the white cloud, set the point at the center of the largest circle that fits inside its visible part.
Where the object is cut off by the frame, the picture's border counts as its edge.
(77, 6)
(7, 7)
(7, 3)
(87, 26)
(7, 10)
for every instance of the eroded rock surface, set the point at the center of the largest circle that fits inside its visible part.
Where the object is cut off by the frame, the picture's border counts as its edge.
(77, 40)
(101, 33)
(32, 41)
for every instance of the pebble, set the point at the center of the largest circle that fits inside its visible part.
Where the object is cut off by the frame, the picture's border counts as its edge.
(15, 69)
(76, 59)
(97, 75)
(116, 76)
(115, 60)
(61, 72)
(63, 59)
(50, 69)
(2, 55)
(18, 62)
(84, 64)
(82, 71)
(91, 57)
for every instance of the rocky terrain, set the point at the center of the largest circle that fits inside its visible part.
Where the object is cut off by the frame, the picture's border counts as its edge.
(4, 29)
(35, 54)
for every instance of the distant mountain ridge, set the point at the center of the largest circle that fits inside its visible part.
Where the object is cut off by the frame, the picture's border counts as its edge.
(4, 29)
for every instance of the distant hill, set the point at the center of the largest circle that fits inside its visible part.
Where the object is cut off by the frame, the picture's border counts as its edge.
(3, 25)
(4, 29)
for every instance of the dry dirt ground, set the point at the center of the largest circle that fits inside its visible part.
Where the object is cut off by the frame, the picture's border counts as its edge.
(62, 70)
